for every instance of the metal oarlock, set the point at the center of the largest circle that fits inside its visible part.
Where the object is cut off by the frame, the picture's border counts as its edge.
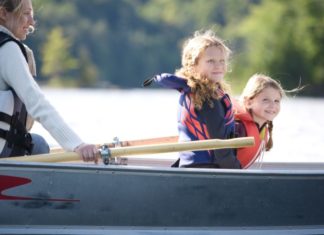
(105, 154)
(117, 142)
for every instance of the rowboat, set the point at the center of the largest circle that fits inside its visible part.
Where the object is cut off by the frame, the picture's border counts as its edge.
(137, 198)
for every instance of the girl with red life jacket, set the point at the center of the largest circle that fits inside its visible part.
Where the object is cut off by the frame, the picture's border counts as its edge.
(260, 104)
(205, 110)
(22, 101)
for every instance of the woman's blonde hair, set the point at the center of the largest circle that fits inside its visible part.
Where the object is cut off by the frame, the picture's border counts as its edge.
(13, 6)
(202, 88)
(255, 85)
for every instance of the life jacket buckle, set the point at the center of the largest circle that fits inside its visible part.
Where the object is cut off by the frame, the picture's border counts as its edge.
(18, 135)
(28, 143)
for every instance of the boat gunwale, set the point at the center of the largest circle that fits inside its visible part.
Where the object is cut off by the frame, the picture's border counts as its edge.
(125, 230)
(164, 170)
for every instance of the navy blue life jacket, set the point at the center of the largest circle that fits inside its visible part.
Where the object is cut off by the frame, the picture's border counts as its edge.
(18, 140)
(215, 122)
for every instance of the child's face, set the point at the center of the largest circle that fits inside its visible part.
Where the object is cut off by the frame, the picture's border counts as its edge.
(212, 64)
(265, 106)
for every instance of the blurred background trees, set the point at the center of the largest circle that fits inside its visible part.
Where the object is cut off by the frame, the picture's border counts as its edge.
(120, 43)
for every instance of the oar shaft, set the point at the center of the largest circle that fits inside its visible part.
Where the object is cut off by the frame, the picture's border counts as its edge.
(146, 149)
(125, 143)
(53, 157)
(183, 146)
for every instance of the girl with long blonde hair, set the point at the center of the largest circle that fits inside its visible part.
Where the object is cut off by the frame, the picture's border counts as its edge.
(205, 109)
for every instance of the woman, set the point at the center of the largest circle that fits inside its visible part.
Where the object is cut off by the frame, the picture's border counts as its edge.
(21, 99)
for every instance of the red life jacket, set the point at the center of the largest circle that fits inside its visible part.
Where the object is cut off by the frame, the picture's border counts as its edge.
(248, 155)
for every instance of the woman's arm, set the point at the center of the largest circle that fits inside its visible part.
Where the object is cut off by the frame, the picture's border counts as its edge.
(15, 72)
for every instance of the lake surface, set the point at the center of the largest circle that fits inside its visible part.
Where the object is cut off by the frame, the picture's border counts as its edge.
(100, 115)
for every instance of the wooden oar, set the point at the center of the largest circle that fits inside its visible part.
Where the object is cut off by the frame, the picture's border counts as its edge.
(125, 143)
(146, 149)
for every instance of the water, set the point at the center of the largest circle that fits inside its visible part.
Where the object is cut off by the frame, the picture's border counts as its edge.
(100, 115)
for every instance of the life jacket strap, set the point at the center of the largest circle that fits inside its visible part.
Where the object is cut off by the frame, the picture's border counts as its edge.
(18, 139)
(4, 38)
(5, 117)
(17, 136)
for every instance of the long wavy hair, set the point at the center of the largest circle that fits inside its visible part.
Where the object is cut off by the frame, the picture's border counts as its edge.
(203, 90)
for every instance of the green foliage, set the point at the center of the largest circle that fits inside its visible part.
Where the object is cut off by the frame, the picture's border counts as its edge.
(122, 42)
(279, 44)
(57, 59)
(88, 72)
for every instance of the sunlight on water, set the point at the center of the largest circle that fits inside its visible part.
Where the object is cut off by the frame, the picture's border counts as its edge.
(100, 115)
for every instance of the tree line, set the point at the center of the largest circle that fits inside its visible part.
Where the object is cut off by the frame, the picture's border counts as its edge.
(120, 43)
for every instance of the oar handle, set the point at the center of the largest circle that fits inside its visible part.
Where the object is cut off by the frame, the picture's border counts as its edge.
(145, 149)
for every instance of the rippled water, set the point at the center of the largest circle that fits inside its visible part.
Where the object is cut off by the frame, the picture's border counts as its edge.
(100, 115)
